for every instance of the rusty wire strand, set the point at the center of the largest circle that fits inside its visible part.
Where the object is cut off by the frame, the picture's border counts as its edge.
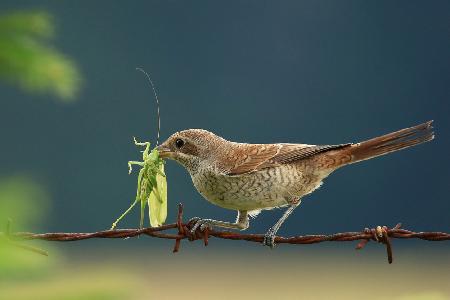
(381, 234)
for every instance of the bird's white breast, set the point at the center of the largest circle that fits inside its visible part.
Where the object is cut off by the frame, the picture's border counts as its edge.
(263, 189)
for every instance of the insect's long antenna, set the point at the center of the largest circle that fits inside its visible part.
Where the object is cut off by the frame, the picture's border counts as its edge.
(157, 102)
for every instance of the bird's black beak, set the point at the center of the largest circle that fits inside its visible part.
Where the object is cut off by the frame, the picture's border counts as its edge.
(163, 151)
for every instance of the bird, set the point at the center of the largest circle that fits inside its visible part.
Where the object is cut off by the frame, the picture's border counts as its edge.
(249, 178)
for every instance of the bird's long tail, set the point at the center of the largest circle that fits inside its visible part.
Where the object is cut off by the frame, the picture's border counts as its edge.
(388, 143)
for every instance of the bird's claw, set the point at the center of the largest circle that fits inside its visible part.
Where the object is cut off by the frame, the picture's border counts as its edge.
(269, 239)
(200, 223)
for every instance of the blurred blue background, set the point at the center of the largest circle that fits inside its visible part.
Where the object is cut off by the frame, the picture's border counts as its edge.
(317, 72)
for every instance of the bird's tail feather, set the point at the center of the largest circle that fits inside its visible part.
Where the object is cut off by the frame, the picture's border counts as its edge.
(391, 142)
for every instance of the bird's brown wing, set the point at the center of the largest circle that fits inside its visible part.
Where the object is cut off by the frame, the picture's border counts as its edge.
(252, 158)
(293, 152)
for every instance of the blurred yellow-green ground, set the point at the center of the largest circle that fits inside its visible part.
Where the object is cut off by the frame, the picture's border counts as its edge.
(212, 273)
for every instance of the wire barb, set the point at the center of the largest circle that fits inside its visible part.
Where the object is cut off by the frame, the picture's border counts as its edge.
(380, 234)
(181, 229)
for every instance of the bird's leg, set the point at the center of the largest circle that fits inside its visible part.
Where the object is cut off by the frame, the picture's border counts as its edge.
(269, 237)
(242, 222)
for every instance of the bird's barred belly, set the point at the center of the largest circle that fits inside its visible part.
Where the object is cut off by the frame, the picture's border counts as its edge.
(264, 189)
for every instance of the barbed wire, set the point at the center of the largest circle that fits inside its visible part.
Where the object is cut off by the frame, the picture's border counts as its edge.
(380, 234)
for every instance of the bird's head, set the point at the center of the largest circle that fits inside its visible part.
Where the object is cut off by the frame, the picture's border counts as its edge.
(190, 147)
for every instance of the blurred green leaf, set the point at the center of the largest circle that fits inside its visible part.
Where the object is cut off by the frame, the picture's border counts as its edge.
(26, 203)
(28, 60)
(23, 200)
(37, 24)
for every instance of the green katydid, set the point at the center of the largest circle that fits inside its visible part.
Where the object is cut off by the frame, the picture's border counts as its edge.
(151, 187)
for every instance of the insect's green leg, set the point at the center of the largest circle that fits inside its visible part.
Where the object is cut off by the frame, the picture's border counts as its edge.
(123, 215)
(139, 163)
(146, 144)
(143, 203)
(146, 188)
(138, 192)
(147, 149)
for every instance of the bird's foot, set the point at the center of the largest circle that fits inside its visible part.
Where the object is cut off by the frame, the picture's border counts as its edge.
(200, 223)
(269, 239)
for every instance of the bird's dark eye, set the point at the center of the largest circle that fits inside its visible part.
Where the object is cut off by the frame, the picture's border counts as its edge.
(179, 143)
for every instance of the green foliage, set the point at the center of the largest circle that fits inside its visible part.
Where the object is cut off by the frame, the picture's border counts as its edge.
(23, 200)
(26, 203)
(28, 60)
(151, 187)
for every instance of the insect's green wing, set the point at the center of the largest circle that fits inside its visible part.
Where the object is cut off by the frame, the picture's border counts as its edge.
(158, 200)
(162, 188)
